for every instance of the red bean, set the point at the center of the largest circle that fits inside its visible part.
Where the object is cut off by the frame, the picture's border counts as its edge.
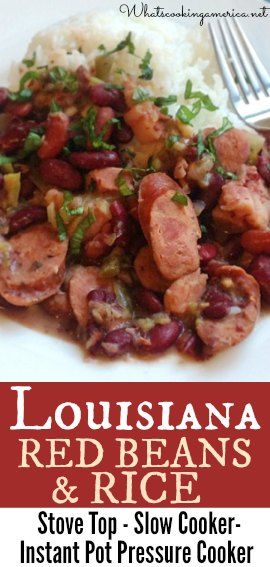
(55, 137)
(211, 194)
(14, 136)
(120, 225)
(263, 165)
(117, 342)
(149, 301)
(191, 153)
(1, 181)
(163, 337)
(219, 303)
(94, 336)
(26, 216)
(118, 210)
(101, 295)
(20, 109)
(104, 96)
(97, 295)
(83, 77)
(260, 270)
(102, 124)
(189, 344)
(60, 173)
(3, 96)
(95, 160)
(27, 188)
(256, 241)
(207, 252)
(124, 134)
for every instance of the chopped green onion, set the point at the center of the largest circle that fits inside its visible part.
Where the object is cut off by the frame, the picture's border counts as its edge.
(78, 235)
(180, 199)
(62, 233)
(147, 71)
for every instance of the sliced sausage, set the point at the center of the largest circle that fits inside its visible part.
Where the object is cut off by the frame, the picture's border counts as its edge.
(58, 305)
(55, 137)
(147, 271)
(184, 293)
(244, 204)
(174, 231)
(232, 148)
(82, 282)
(220, 334)
(105, 179)
(151, 187)
(37, 266)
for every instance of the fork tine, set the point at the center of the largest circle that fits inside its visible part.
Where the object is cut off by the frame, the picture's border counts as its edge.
(234, 60)
(259, 68)
(224, 67)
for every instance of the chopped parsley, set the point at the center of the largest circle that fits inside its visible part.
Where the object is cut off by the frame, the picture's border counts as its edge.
(141, 94)
(171, 140)
(165, 100)
(200, 144)
(205, 99)
(32, 143)
(62, 233)
(5, 160)
(78, 235)
(147, 71)
(125, 43)
(55, 107)
(225, 173)
(68, 81)
(30, 62)
(226, 125)
(97, 140)
(24, 93)
(68, 197)
(180, 199)
(124, 188)
(202, 101)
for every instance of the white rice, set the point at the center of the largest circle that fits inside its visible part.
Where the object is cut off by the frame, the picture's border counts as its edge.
(179, 54)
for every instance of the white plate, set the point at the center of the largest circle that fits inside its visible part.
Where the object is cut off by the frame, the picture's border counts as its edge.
(30, 355)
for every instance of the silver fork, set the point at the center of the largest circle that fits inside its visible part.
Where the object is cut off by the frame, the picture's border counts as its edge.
(245, 76)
